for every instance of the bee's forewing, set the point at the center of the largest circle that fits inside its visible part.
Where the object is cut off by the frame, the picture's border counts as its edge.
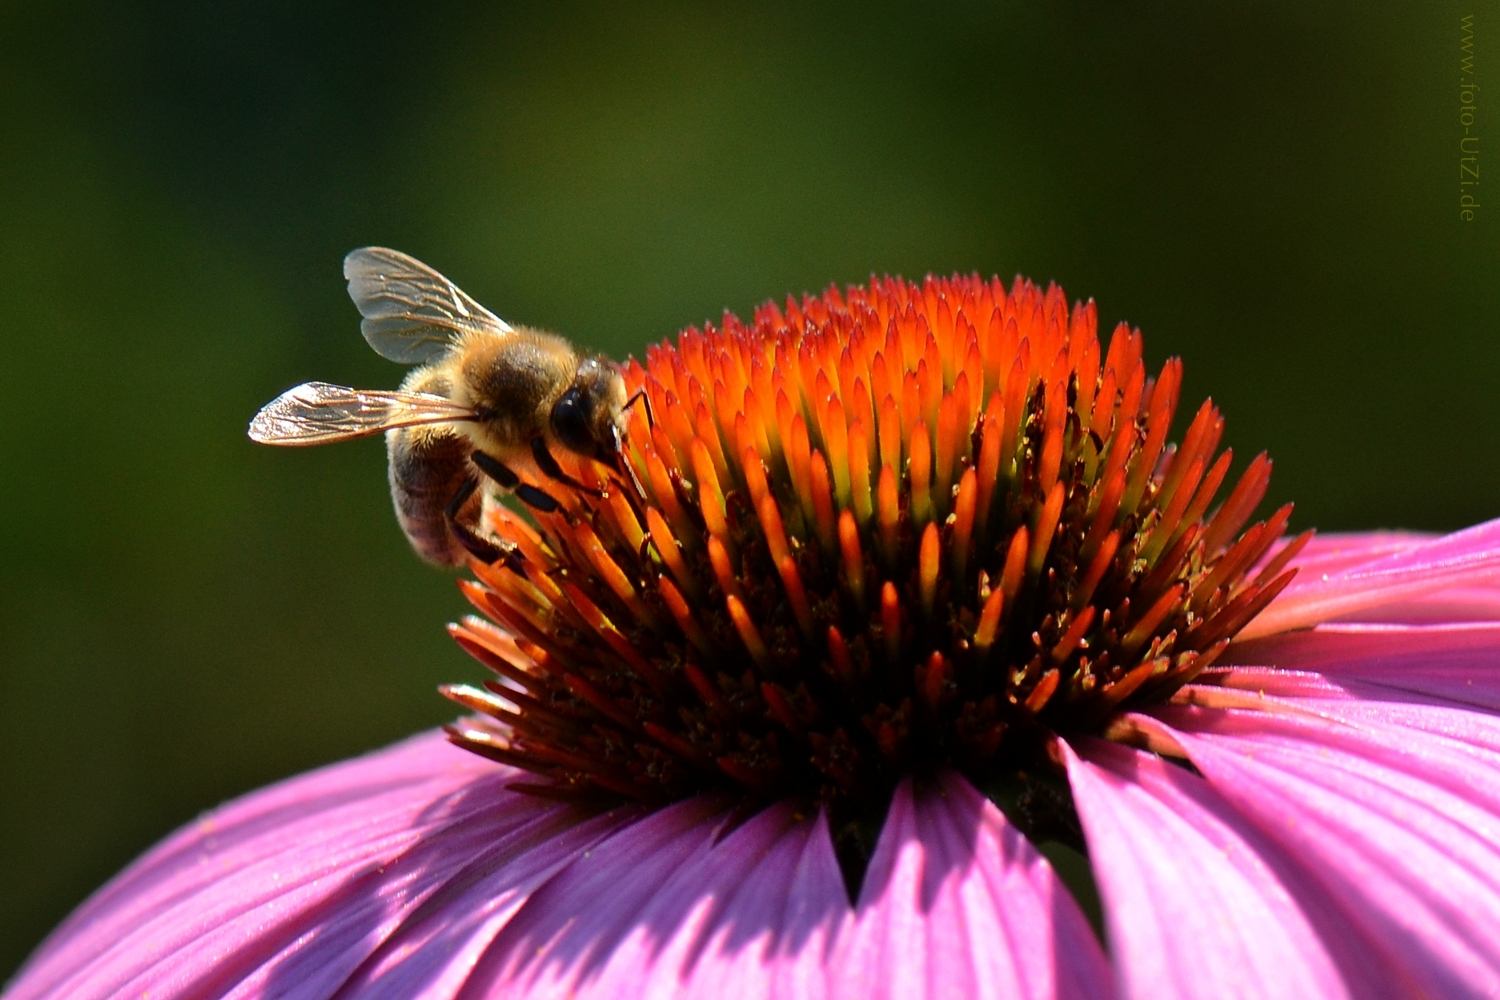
(411, 312)
(316, 413)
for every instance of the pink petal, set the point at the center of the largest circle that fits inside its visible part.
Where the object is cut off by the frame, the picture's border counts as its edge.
(773, 936)
(1198, 903)
(225, 894)
(415, 873)
(1335, 552)
(290, 889)
(431, 953)
(1475, 603)
(1312, 694)
(665, 908)
(1328, 589)
(1401, 831)
(957, 903)
(1457, 663)
(1473, 733)
(1270, 681)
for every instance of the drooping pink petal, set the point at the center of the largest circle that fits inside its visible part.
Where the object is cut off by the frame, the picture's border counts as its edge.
(773, 935)
(1402, 832)
(678, 906)
(1322, 592)
(289, 890)
(1472, 603)
(430, 952)
(957, 903)
(1337, 551)
(1333, 554)
(1271, 681)
(1474, 733)
(1425, 745)
(1199, 903)
(1303, 693)
(1459, 663)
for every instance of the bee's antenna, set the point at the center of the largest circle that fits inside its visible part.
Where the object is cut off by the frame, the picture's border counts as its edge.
(640, 394)
(623, 461)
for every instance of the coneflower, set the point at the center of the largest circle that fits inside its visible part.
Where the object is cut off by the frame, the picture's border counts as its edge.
(875, 535)
(891, 586)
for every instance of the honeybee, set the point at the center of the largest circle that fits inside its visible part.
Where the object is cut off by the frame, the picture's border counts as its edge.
(486, 399)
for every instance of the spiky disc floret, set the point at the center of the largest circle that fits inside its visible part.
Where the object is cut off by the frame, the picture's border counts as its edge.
(881, 531)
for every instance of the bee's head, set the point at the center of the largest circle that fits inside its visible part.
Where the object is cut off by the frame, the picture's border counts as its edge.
(585, 418)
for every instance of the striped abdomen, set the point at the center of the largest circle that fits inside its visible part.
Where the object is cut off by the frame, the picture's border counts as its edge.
(428, 466)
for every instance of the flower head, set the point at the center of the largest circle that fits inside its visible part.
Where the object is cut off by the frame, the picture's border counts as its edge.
(872, 534)
(862, 558)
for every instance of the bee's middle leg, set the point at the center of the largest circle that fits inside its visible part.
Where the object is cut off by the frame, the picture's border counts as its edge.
(507, 480)
(479, 547)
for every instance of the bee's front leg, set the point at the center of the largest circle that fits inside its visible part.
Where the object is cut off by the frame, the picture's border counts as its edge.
(508, 480)
(548, 464)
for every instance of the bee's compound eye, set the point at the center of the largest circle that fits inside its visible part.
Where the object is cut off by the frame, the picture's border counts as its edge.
(570, 424)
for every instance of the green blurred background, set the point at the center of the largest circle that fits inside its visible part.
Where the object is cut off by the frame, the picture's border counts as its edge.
(1269, 190)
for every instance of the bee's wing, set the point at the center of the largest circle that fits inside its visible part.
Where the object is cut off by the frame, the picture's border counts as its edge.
(411, 313)
(316, 413)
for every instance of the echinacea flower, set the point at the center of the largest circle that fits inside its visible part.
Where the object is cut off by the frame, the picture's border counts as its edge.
(898, 584)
